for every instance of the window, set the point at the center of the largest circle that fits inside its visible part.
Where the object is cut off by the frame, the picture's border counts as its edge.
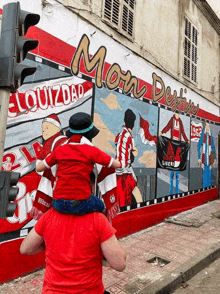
(190, 51)
(120, 15)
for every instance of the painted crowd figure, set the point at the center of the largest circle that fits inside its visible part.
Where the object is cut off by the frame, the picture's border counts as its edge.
(126, 150)
(208, 158)
(52, 138)
(175, 125)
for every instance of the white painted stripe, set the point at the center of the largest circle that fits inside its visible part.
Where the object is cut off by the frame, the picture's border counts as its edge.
(99, 167)
(108, 183)
(45, 186)
(23, 232)
(30, 224)
(38, 59)
(60, 67)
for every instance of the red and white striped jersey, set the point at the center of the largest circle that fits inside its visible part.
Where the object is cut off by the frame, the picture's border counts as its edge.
(125, 145)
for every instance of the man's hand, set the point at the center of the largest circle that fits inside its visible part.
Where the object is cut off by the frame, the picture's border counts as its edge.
(135, 152)
(199, 162)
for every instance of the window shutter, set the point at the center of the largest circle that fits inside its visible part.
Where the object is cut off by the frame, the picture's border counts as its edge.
(111, 11)
(190, 51)
(120, 13)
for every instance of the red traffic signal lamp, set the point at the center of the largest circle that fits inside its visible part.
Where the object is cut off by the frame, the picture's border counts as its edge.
(14, 47)
(8, 193)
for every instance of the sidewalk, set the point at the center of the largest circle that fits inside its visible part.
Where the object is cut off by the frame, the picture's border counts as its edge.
(159, 258)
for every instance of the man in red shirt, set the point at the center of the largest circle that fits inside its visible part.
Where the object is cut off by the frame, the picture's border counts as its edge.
(75, 246)
(75, 161)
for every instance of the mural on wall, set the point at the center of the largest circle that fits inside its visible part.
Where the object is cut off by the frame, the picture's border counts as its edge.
(152, 123)
(203, 157)
(128, 138)
(44, 103)
(152, 143)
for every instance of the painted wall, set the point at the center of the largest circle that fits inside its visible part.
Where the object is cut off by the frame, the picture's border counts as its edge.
(79, 68)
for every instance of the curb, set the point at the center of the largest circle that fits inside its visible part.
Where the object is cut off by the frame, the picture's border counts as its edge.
(183, 273)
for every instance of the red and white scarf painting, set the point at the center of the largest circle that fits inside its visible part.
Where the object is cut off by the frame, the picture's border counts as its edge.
(43, 198)
(144, 133)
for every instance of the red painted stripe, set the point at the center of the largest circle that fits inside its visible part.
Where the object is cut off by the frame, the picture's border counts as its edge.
(207, 115)
(14, 265)
(138, 219)
(51, 47)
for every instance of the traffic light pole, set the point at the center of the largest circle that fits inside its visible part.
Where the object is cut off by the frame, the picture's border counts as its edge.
(4, 104)
(13, 50)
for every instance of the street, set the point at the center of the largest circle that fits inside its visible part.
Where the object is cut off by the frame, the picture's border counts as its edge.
(206, 281)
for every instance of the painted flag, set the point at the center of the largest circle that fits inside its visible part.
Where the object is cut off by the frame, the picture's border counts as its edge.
(144, 133)
(196, 130)
(172, 154)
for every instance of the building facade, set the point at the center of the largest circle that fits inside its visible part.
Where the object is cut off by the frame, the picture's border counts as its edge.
(148, 73)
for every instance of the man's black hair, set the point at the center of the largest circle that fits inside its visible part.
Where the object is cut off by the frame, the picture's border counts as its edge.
(129, 119)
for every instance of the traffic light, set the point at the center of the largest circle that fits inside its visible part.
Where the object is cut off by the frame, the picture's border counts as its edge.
(8, 193)
(14, 47)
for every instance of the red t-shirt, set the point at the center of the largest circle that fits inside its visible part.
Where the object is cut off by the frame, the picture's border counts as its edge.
(73, 251)
(75, 161)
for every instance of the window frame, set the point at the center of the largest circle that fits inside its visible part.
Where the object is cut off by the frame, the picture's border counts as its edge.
(119, 27)
(192, 42)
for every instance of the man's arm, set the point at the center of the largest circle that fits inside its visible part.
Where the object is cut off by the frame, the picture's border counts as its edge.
(32, 243)
(114, 253)
(167, 127)
(183, 132)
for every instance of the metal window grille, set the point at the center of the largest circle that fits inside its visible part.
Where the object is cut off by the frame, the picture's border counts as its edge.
(190, 51)
(120, 14)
